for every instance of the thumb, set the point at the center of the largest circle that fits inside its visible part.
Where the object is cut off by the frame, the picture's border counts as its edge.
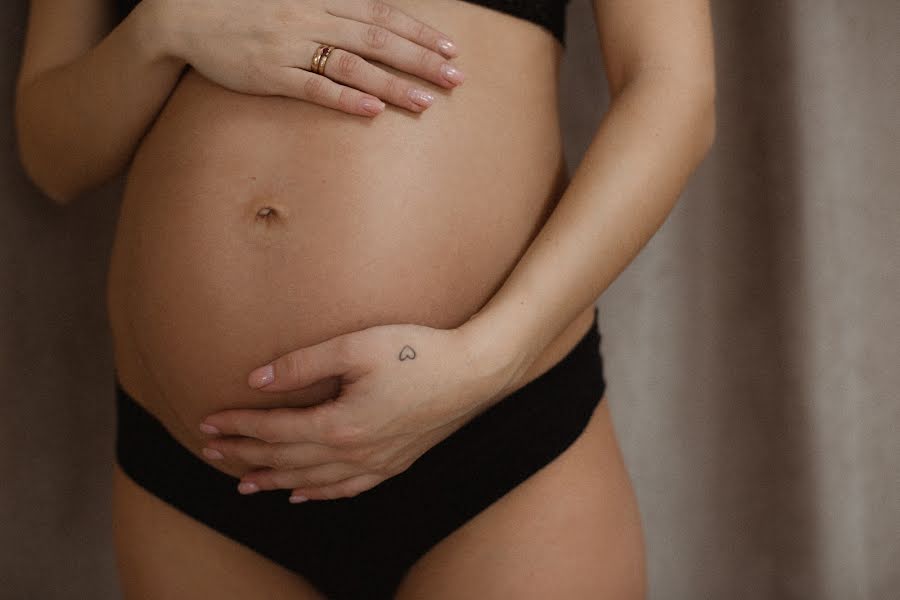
(304, 366)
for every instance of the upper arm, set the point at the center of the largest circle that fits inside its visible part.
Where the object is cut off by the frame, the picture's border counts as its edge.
(60, 31)
(644, 36)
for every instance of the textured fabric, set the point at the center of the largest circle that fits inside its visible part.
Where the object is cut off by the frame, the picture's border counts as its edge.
(550, 14)
(359, 548)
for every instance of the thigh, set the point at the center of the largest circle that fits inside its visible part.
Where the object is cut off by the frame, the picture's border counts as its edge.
(165, 555)
(571, 530)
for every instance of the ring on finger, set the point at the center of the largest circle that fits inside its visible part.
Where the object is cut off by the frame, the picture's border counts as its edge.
(320, 57)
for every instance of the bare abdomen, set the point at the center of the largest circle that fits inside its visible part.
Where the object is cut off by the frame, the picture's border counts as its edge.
(252, 226)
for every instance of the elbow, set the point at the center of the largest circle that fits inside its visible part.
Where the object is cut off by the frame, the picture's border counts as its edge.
(39, 172)
(58, 196)
(35, 159)
(40, 168)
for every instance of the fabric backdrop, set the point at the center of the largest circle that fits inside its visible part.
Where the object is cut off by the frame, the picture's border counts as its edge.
(751, 348)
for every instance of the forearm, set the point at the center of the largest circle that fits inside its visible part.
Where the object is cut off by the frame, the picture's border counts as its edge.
(656, 132)
(79, 123)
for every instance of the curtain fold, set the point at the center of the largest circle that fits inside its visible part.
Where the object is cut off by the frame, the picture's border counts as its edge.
(751, 349)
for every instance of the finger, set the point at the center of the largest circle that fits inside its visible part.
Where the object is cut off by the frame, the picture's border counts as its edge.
(394, 19)
(321, 475)
(318, 89)
(378, 43)
(347, 488)
(320, 424)
(282, 456)
(355, 71)
(305, 366)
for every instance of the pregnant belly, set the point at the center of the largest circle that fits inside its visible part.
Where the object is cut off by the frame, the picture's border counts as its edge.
(251, 226)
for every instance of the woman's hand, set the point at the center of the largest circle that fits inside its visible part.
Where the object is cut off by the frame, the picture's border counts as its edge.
(404, 388)
(266, 50)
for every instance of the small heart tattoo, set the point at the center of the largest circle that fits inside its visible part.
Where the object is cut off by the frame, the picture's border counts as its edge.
(407, 352)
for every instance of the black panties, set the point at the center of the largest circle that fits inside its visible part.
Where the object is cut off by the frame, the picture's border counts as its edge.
(361, 547)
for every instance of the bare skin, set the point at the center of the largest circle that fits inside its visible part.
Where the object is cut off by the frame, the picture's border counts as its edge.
(251, 226)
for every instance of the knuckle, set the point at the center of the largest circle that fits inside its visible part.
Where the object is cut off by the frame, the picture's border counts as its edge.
(375, 36)
(280, 459)
(393, 87)
(265, 431)
(361, 455)
(420, 31)
(398, 467)
(344, 435)
(350, 491)
(288, 366)
(425, 58)
(347, 99)
(313, 90)
(380, 11)
(344, 350)
(266, 37)
(320, 419)
(348, 64)
(249, 428)
(298, 481)
(282, 479)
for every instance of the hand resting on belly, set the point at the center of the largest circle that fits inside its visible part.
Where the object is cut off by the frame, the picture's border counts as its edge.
(404, 388)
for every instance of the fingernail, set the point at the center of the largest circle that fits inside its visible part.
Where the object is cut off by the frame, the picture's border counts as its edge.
(206, 428)
(262, 376)
(373, 106)
(297, 499)
(247, 487)
(452, 74)
(421, 97)
(212, 454)
(447, 47)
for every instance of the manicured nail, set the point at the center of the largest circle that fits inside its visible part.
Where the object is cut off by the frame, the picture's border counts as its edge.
(206, 428)
(297, 499)
(247, 487)
(373, 106)
(447, 47)
(452, 74)
(212, 454)
(262, 376)
(421, 97)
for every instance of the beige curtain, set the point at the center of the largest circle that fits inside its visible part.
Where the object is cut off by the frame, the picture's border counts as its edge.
(751, 349)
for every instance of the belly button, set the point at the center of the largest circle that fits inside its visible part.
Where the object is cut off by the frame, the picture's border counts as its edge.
(266, 213)
(269, 216)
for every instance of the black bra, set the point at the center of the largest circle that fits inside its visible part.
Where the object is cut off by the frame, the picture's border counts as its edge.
(550, 14)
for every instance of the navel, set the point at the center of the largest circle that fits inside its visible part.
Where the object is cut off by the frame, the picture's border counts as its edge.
(267, 213)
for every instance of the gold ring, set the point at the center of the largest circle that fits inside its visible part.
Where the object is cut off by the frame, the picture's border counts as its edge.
(320, 57)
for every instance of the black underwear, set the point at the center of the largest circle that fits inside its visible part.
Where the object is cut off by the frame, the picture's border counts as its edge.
(359, 548)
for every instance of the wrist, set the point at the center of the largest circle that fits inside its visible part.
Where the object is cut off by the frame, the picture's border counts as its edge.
(156, 37)
(498, 359)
